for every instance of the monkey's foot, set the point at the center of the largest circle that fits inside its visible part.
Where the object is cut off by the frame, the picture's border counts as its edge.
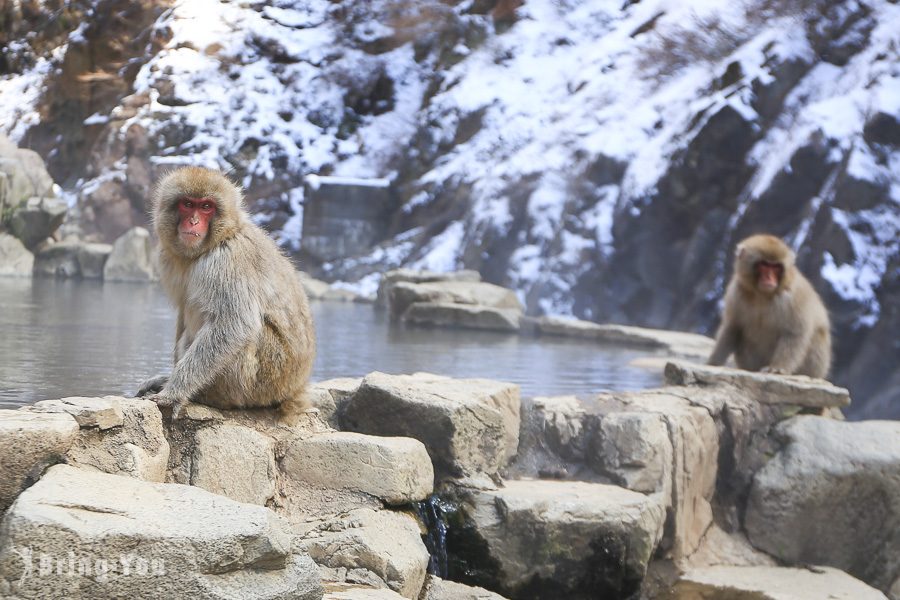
(154, 385)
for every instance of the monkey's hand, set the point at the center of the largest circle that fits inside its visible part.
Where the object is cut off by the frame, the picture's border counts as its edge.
(774, 370)
(154, 385)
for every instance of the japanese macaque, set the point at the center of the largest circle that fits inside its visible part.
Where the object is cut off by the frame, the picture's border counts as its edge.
(244, 336)
(774, 321)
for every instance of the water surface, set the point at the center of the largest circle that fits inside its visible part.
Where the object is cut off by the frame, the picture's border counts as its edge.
(63, 338)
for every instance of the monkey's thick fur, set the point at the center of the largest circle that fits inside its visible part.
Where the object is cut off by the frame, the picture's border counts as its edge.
(783, 331)
(245, 336)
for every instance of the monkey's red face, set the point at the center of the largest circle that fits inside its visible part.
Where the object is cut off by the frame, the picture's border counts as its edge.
(194, 217)
(768, 275)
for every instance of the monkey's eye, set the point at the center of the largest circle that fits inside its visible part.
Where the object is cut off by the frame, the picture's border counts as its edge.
(206, 206)
(187, 203)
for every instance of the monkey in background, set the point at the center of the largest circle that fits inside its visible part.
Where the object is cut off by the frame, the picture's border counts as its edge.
(244, 336)
(774, 321)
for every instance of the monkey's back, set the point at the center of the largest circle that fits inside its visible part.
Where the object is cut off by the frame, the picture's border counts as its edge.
(274, 368)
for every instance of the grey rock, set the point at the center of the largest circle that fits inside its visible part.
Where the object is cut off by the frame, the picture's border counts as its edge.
(92, 258)
(440, 589)
(797, 390)
(468, 425)
(771, 583)
(29, 442)
(579, 539)
(464, 316)
(831, 496)
(636, 451)
(136, 539)
(402, 294)
(414, 276)
(234, 461)
(344, 591)
(131, 258)
(58, 260)
(15, 259)
(385, 543)
(37, 219)
(103, 413)
(395, 469)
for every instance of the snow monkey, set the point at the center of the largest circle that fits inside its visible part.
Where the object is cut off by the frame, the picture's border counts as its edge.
(244, 336)
(774, 321)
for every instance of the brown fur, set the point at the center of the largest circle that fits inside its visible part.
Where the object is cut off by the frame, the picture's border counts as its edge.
(244, 336)
(782, 331)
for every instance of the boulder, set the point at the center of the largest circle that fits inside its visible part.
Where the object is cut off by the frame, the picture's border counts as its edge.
(564, 539)
(468, 425)
(37, 219)
(123, 436)
(58, 260)
(797, 390)
(439, 589)
(131, 258)
(831, 496)
(402, 294)
(29, 442)
(15, 259)
(80, 534)
(345, 591)
(92, 258)
(234, 461)
(678, 343)
(464, 316)
(394, 469)
(412, 276)
(314, 288)
(771, 583)
(330, 397)
(386, 544)
(635, 451)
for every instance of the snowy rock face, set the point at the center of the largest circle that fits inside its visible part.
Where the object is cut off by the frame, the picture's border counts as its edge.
(603, 161)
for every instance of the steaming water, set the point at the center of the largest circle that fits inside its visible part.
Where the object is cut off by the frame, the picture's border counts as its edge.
(82, 338)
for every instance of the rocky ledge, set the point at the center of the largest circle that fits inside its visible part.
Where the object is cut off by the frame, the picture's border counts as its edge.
(419, 486)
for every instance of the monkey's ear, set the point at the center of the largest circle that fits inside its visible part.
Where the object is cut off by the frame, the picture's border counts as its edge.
(740, 250)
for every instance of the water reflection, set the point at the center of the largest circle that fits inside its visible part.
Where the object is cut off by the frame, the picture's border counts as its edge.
(68, 338)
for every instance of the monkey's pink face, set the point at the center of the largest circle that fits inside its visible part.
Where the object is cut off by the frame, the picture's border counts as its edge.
(194, 218)
(768, 275)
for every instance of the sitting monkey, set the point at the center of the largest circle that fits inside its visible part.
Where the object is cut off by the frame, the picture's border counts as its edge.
(244, 336)
(774, 321)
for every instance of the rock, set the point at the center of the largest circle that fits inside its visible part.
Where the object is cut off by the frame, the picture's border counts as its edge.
(15, 259)
(413, 276)
(37, 219)
(797, 390)
(92, 258)
(771, 583)
(385, 543)
(343, 591)
(22, 175)
(131, 258)
(394, 469)
(234, 461)
(439, 589)
(315, 289)
(465, 316)
(635, 451)
(402, 294)
(561, 539)
(122, 436)
(29, 442)
(678, 343)
(145, 540)
(58, 260)
(331, 397)
(831, 496)
(334, 294)
(103, 413)
(468, 425)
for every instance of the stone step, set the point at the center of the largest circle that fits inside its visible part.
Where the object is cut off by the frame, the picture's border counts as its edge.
(394, 469)
(794, 390)
(772, 583)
